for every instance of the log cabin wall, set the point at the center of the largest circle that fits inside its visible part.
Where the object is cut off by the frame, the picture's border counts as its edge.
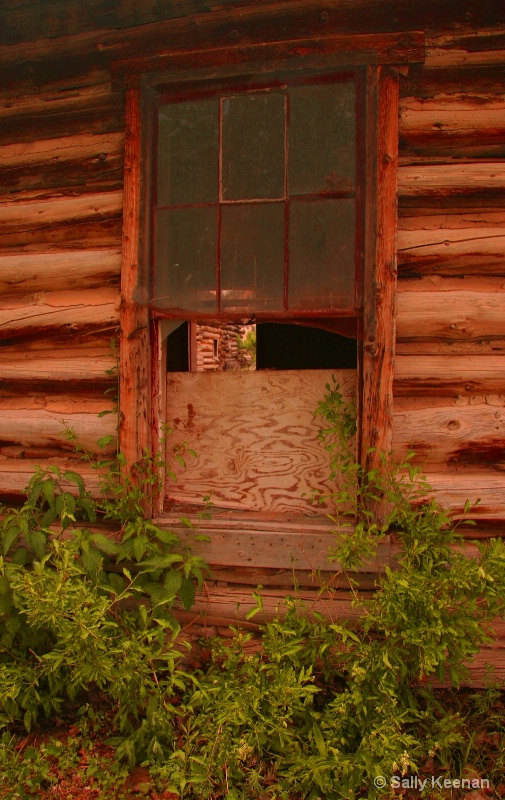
(61, 205)
(450, 352)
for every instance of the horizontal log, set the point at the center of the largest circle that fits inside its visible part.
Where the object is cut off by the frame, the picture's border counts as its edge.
(452, 251)
(40, 213)
(52, 223)
(262, 57)
(446, 243)
(255, 23)
(302, 543)
(484, 490)
(460, 125)
(426, 84)
(67, 148)
(86, 110)
(449, 375)
(422, 221)
(487, 667)
(45, 427)
(481, 47)
(452, 115)
(68, 269)
(287, 579)
(99, 234)
(227, 606)
(473, 434)
(450, 315)
(485, 284)
(482, 347)
(407, 402)
(19, 315)
(84, 160)
(27, 22)
(80, 361)
(16, 472)
(446, 180)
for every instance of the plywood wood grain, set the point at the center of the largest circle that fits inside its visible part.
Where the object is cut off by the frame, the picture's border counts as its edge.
(255, 437)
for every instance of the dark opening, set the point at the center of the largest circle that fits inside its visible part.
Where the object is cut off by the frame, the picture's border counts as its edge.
(178, 349)
(301, 347)
(278, 346)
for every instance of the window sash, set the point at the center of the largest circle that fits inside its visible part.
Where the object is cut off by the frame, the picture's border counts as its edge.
(303, 224)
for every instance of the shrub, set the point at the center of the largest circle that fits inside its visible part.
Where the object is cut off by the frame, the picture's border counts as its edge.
(317, 708)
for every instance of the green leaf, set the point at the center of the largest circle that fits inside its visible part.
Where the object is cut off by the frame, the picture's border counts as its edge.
(5, 595)
(48, 491)
(106, 440)
(173, 582)
(48, 518)
(162, 562)
(91, 559)
(74, 477)
(20, 556)
(139, 546)
(10, 538)
(187, 593)
(167, 537)
(104, 544)
(37, 541)
(319, 740)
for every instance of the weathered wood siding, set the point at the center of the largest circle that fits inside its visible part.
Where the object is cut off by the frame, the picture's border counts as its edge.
(450, 353)
(61, 181)
(62, 140)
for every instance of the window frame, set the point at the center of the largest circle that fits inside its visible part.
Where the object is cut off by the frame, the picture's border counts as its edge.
(142, 395)
(222, 89)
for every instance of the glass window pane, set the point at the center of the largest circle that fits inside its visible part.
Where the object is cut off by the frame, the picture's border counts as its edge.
(322, 138)
(252, 257)
(253, 146)
(321, 254)
(188, 136)
(185, 264)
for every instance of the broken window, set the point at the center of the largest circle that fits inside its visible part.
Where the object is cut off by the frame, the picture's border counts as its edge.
(257, 218)
(267, 199)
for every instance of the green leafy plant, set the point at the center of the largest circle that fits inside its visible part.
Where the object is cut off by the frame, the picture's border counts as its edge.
(247, 349)
(327, 707)
(314, 707)
(86, 591)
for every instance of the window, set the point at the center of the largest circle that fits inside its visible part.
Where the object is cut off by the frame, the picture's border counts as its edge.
(221, 289)
(257, 216)
(257, 200)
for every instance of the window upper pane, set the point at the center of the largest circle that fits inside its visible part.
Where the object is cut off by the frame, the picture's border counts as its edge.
(253, 129)
(322, 138)
(188, 135)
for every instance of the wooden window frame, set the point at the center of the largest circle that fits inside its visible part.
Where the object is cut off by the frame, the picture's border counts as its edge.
(141, 385)
(163, 94)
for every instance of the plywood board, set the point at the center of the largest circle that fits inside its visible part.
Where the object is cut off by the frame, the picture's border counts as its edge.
(255, 436)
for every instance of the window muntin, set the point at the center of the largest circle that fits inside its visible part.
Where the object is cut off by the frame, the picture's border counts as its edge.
(256, 206)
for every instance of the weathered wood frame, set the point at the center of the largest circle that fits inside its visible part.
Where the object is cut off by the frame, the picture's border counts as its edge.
(141, 393)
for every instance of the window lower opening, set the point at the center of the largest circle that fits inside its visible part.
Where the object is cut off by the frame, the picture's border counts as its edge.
(198, 347)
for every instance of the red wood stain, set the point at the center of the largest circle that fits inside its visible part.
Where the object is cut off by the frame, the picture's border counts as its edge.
(191, 416)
